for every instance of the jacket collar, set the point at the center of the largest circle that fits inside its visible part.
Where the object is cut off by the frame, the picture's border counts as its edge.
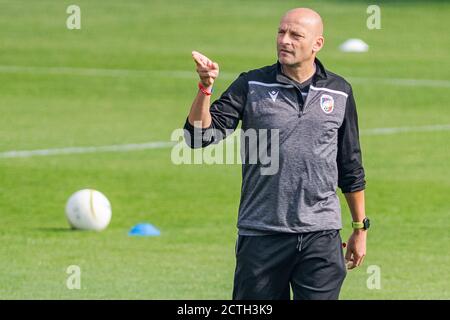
(320, 73)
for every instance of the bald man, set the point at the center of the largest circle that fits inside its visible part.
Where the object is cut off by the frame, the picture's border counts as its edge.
(289, 221)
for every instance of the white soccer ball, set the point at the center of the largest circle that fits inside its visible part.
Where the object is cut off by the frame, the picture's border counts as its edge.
(354, 45)
(88, 209)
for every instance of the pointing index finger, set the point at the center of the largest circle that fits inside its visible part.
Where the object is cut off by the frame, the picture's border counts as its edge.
(199, 58)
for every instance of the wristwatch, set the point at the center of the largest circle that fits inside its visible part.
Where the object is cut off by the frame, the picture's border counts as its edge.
(365, 224)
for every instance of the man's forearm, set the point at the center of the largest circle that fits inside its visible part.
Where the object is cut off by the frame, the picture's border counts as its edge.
(200, 110)
(356, 249)
(355, 201)
(208, 71)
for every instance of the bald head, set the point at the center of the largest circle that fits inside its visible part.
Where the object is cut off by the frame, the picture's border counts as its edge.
(300, 37)
(307, 18)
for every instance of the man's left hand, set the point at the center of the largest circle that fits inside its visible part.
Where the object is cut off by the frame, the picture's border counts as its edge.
(356, 249)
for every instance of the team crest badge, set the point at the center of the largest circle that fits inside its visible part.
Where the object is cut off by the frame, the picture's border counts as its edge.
(327, 103)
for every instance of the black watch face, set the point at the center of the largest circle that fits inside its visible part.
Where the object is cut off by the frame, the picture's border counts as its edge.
(366, 223)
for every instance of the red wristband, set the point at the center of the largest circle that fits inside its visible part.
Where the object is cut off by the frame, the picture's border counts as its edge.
(203, 89)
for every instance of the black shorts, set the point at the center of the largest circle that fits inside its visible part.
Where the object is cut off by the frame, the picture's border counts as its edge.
(312, 264)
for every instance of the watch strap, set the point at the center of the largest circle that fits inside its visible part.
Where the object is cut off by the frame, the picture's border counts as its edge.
(358, 225)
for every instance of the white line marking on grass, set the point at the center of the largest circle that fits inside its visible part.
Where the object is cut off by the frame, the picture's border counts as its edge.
(183, 74)
(81, 150)
(384, 131)
(97, 72)
(404, 82)
(165, 144)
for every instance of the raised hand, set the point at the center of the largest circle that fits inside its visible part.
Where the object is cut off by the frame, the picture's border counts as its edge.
(207, 70)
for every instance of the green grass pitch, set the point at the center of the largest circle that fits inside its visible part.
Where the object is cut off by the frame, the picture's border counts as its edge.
(46, 103)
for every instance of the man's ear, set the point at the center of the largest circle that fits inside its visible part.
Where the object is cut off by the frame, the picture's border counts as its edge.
(318, 44)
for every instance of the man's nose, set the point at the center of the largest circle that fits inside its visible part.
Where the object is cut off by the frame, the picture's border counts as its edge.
(284, 39)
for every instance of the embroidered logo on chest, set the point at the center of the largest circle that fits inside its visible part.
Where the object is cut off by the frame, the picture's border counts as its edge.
(273, 95)
(327, 103)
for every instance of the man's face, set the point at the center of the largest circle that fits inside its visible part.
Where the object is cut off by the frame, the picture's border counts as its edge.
(296, 43)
